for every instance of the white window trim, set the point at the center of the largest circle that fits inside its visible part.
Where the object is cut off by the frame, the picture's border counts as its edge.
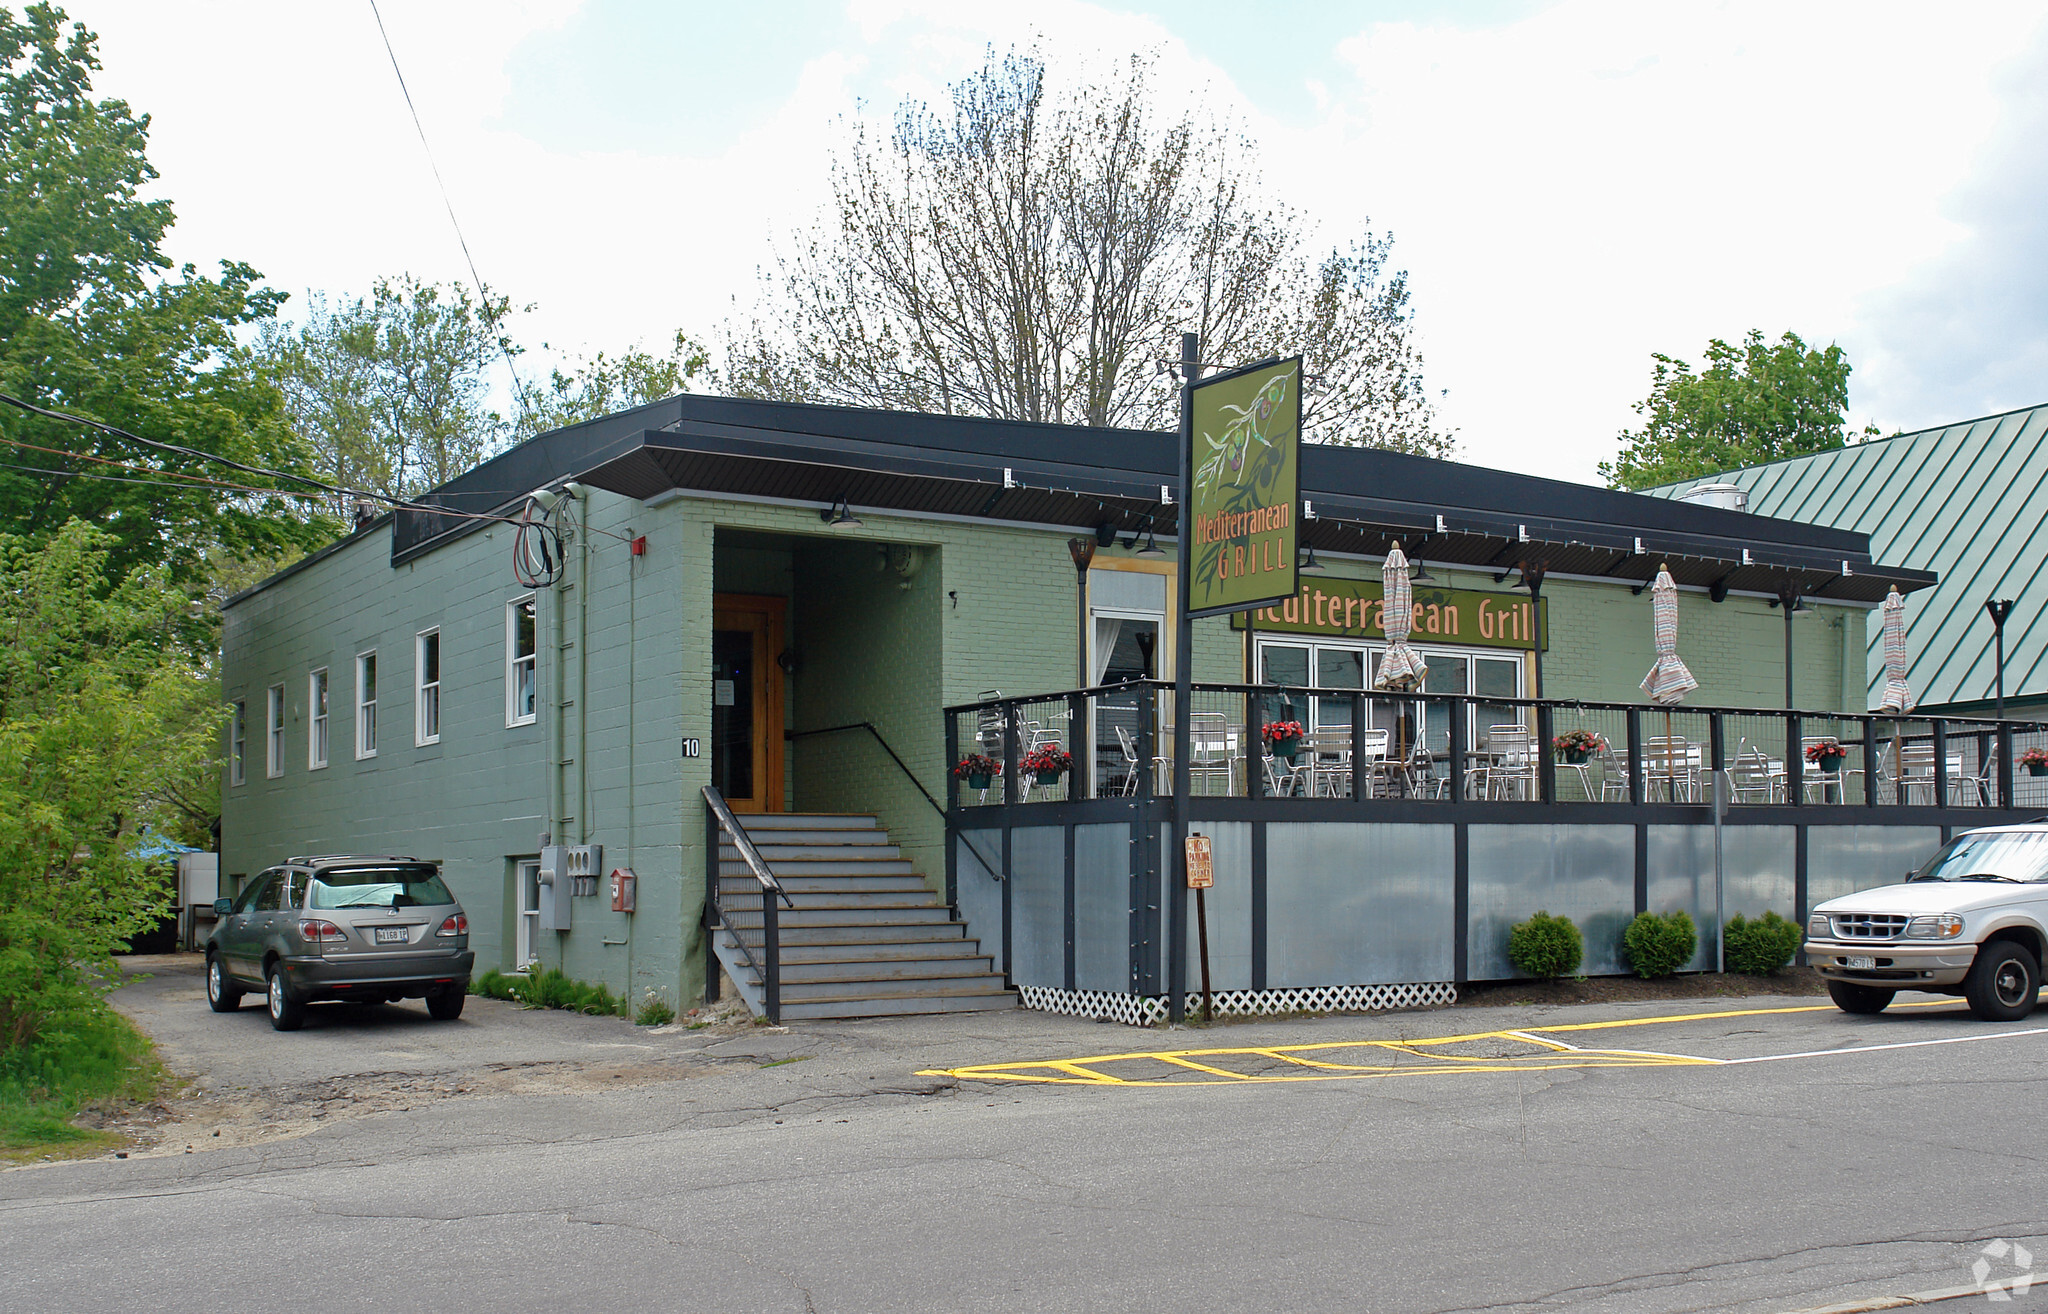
(361, 752)
(238, 743)
(513, 661)
(426, 695)
(319, 720)
(273, 733)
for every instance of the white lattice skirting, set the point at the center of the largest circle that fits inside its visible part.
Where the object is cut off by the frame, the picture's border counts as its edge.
(1147, 1010)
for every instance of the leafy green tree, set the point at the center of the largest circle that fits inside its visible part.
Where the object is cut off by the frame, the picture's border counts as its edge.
(100, 699)
(1034, 253)
(603, 385)
(392, 391)
(1760, 401)
(95, 321)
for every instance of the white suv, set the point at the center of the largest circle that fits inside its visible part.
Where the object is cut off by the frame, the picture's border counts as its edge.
(1970, 922)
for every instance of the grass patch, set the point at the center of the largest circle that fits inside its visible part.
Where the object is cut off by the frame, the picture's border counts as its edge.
(797, 1058)
(550, 989)
(94, 1058)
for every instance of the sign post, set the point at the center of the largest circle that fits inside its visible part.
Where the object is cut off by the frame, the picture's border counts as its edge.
(1239, 537)
(1202, 875)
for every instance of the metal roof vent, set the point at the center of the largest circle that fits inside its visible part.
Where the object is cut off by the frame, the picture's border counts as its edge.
(1729, 497)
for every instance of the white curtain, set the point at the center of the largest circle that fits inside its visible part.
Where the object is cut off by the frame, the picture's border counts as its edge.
(1107, 628)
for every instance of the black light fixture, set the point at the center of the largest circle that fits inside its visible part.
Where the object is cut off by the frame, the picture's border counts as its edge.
(840, 516)
(1151, 548)
(1311, 566)
(1421, 575)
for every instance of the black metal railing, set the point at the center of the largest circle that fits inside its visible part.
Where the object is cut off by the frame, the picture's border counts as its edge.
(1367, 744)
(758, 934)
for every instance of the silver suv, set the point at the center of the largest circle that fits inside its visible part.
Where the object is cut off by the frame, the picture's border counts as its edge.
(368, 929)
(1973, 921)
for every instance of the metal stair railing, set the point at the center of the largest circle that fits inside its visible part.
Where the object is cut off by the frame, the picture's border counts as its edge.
(989, 865)
(768, 963)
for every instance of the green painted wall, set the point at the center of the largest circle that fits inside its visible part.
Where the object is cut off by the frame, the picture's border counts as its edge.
(988, 607)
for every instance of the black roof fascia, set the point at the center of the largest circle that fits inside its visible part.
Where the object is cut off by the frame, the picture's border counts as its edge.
(1132, 467)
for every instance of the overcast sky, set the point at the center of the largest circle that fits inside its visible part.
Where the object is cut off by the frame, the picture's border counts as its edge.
(1571, 186)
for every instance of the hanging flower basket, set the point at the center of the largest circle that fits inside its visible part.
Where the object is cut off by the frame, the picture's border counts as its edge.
(978, 769)
(1573, 747)
(2035, 760)
(1284, 737)
(1048, 762)
(1827, 756)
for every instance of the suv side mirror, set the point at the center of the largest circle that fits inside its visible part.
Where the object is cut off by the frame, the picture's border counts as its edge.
(222, 907)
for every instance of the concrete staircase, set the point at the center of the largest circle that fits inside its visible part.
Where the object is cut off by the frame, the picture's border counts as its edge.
(867, 938)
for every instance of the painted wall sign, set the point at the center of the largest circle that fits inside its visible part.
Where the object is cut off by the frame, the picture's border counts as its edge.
(1351, 608)
(1243, 509)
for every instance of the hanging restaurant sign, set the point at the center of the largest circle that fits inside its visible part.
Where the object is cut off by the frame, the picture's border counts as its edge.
(1351, 608)
(1244, 503)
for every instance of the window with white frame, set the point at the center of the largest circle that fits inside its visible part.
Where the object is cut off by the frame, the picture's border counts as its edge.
(426, 725)
(366, 704)
(273, 733)
(238, 743)
(316, 716)
(522, 649)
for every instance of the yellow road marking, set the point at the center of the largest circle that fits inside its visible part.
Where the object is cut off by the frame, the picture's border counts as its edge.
(1546, 1055)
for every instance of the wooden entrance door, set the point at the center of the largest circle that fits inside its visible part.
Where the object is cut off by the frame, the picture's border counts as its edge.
(746, 700)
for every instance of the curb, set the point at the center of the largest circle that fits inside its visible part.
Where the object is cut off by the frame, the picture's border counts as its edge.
(1894, 1302)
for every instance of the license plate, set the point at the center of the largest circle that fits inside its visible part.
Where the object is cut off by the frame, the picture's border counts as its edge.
(396, 935)
(1855, 962)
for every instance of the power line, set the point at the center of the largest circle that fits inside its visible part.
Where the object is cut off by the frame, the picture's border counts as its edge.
(337, 490)
(518, 385)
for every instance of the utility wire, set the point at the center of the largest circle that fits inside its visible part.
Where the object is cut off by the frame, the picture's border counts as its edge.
(518, 385)
(337, 490)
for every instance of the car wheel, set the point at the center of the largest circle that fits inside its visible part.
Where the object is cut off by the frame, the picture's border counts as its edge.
(447, 1005)
(222, 994)
(287, 1013)
(2003, 983)
(1859, 999)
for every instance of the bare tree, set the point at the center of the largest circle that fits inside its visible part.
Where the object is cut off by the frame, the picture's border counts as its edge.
(1033, 257)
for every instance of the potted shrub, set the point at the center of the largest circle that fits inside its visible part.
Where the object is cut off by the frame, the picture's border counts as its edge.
(1575, 746)
(1048, 762)
(977, 769)
(1284, 737)
(2035, 760)
(1827, 755)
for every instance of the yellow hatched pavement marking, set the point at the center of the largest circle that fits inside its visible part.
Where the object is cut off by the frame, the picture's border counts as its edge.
(1546, 1055)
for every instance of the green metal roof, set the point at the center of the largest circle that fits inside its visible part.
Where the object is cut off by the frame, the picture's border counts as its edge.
(1968, 501)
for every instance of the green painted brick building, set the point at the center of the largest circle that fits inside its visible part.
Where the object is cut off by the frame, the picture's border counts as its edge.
(431, 686)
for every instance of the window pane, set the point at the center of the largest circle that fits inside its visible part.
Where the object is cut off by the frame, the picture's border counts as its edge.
(525, 693)
(369, 677)
(430, 659)
(1492, 677)
(1340, 668)
(522, 629)
(1284, 664)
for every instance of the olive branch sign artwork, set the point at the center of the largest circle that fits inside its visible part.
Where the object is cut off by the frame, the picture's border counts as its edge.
(1230, 454)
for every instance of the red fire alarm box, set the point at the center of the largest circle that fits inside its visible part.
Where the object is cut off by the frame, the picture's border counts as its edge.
(623, 881)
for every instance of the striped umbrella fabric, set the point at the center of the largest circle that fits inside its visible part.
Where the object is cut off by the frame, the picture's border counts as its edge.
(1898, 696)
(1668, 681)
(1401, 668)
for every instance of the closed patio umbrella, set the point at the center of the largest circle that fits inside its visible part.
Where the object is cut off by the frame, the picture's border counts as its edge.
(1401, 668)
(1668, 681)
(1898, 696)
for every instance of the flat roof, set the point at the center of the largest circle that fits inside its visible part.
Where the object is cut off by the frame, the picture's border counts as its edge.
(1358, 499)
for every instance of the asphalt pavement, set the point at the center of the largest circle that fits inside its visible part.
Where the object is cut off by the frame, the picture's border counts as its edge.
(1752, 1155)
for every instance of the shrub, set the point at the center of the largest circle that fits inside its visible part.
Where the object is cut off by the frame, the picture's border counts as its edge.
(654, 1011)
(1658, 944)
(1546, 946)
(1761, 947)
